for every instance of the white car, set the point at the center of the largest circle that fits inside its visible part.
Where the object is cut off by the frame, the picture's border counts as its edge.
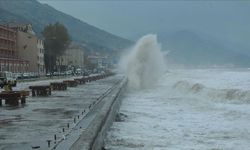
(6, 77)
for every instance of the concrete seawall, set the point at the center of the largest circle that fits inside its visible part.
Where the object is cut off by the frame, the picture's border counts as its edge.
(92, 136)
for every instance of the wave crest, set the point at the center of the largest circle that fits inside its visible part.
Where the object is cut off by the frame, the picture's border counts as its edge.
(211, 93)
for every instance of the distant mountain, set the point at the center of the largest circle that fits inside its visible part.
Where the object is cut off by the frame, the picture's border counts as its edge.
(40, 15)
(190, 48)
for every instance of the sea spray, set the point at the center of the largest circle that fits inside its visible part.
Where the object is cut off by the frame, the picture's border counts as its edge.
(144, 64)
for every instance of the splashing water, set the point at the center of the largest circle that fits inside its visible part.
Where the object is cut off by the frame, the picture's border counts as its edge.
(145, 63)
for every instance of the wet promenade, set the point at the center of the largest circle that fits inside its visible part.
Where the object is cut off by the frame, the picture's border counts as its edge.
(32, 125)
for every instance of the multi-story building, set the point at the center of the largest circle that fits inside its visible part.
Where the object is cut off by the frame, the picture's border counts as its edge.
(9, 60)
(40, 55)
(30, 47)
(100, 61)
(72, 57)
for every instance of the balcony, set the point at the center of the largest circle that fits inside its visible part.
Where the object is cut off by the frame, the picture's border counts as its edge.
(7, 48)
(7, 38)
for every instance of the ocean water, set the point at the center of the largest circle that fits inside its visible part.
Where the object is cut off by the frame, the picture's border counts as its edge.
(186, 109)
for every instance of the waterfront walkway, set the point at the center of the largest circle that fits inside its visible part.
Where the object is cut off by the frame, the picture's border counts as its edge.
(37, 122)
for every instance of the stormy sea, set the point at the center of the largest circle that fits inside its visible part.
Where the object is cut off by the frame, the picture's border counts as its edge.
(185, 109)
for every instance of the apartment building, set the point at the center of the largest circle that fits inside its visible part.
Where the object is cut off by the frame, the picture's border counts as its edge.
(30, 47)
(9, 60)
(73, 57)
(100, 61)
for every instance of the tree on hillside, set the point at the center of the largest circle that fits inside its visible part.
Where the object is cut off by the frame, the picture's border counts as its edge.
(56, 41)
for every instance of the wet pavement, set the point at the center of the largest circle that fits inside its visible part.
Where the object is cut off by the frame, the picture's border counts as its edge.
(32, 124)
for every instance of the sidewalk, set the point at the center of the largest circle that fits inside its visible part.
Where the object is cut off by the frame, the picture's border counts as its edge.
(41, 118)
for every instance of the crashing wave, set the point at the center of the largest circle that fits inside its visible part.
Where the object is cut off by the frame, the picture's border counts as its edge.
(211, 93)
(145, 64)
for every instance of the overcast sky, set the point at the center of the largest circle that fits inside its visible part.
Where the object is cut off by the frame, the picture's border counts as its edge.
(130, 19)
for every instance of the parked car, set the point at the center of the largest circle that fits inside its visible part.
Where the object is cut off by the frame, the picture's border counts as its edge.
(6, 77)
(26, 75)
(56, 73)
(48, 75)
(69, 72)
(18, 76)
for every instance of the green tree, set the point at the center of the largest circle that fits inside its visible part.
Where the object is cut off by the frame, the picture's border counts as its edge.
(56, 41)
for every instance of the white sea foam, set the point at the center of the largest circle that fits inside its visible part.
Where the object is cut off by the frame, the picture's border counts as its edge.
(144, 64)
(187, 109)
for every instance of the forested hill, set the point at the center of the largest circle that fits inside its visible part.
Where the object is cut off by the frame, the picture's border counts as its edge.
(39, 15)
(190, 48)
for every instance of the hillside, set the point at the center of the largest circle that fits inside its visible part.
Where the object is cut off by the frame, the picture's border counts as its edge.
(190, 48)
(31, 11)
